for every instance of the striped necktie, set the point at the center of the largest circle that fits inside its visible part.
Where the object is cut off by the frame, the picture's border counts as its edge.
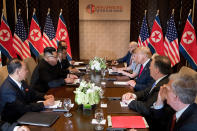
(141, 69)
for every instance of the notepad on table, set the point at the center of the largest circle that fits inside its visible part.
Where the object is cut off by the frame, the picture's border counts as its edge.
(57, 104)
(78, 63)
(111, 71)
(128, 122)
(121, 83)
(81, 68)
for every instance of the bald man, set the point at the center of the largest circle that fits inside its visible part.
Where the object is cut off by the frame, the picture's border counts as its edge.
(127, 58)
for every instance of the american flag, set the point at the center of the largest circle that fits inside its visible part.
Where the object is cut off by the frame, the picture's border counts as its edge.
(144, 35)
(21, 43)
(49, 33)
(171, 47)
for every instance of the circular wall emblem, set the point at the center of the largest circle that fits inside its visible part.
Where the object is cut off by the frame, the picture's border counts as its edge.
(4, 35)
(35, 35)
(90, 8)
(62, 34)
(188, 37)
(156, 36)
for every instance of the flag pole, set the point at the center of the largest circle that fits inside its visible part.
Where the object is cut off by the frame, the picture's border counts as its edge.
(193, 11)
(61, 10)
(48, 11)
(2, 14)
(4, 7)
(190, 12)
(157, 12)
(19, 11)
(145, 12)
(172, 11)
(187, 63)
(27, 11)
(15, 11)
(34, 12)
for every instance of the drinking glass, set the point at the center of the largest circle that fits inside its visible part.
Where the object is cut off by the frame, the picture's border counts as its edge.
(103, 71)
(87, 69)
(67, 106)
(102, 92)
(99, 117)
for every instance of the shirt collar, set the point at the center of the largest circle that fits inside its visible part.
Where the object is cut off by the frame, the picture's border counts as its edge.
(159, 79)
(18, 83)
(179, 113)
(146, 63)
(59, 59)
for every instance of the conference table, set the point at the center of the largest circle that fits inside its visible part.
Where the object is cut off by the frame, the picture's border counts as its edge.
(81, 119)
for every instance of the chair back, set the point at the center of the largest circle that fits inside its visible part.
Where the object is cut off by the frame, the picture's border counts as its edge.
(31, 64)
(3, 74)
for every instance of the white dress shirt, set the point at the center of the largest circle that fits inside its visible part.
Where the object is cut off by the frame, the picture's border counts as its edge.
(19, 84)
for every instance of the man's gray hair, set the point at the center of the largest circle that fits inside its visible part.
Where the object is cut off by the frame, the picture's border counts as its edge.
(184, 86)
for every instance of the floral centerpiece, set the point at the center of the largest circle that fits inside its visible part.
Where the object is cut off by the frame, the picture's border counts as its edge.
(87, 93)
(97, 64)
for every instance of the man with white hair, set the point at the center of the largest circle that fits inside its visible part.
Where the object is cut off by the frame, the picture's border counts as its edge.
(180, 94)
(16, 97)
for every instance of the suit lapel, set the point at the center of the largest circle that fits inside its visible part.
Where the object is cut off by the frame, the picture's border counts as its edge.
(187, 113)
(144, 70)
(16, 88)
(160, 83)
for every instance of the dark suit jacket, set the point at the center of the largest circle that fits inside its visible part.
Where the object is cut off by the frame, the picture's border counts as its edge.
(46, 76)
(14, 102)
(63, 67)
(144, 80)
(4, 126)
(187, 121)
(126, 58)
(145, 99)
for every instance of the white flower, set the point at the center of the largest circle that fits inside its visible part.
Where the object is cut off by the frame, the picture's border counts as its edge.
(97, 64)
(83, 84)
(87, 93)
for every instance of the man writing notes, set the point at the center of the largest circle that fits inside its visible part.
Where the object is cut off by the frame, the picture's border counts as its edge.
(16, 98)
(141, 101)
(180, 93)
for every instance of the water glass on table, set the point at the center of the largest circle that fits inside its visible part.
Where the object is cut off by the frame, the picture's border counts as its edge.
(103, 72)
(87, 69)
(67, 106)
(99, 117)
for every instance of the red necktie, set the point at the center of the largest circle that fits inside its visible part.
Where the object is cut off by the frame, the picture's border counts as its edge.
(141, 69)
(173, 122)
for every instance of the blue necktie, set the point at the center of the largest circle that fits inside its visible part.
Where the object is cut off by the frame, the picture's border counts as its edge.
(154, 84)
(22, 89)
